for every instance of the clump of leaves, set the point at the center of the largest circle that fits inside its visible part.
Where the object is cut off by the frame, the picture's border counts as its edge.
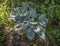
(32, 22)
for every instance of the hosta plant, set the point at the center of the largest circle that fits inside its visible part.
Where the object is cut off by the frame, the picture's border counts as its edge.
(31, 21)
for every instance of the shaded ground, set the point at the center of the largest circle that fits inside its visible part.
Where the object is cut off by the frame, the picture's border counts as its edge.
(17, 39)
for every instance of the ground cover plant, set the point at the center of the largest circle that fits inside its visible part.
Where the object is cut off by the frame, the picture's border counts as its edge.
(29, 22)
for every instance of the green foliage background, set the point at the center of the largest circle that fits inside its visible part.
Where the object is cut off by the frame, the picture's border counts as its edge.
(50, 7)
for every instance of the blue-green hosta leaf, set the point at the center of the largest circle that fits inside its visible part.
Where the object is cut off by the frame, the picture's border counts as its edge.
(26, 14)
(30, 34)
(46, 21)
(26, 18)
(43, 24)
(36, 29)
(20, 18)
(40, 32)
(31, 19)
(16, 11)
(26, 25)
(24, 7)
(42, 36)
(17, 18)
(33, 13)
(17, 26)
(43, 20)
(42, 17)
(33, 23)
